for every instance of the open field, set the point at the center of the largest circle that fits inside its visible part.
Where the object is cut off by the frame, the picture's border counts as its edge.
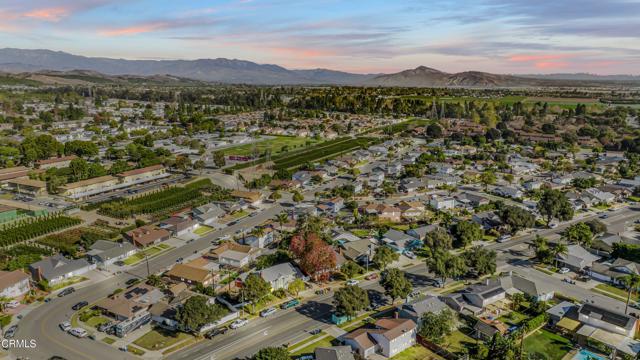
(275, 145)
(546, 345)
(321, 151)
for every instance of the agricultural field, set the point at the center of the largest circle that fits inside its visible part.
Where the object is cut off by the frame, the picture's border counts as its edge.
(68, 242)
(322, 151)
(161, 201)
(278, 144)
(28, 229)
(20, 256)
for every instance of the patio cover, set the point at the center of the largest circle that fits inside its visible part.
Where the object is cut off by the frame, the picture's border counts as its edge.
(568, 324)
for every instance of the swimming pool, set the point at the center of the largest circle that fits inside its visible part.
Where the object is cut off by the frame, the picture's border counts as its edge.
(584, 354)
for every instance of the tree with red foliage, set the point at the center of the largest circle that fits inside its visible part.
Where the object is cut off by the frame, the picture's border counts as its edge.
(316, 257)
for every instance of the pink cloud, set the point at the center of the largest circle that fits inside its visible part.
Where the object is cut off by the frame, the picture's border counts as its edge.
(551, 64)
(132, 30)
(48, 14)
(533, 58)
(301, 52)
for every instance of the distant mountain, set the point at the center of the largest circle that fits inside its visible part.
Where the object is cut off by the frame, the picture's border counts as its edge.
(214, 70)
(583, 77)
(423, 76)
(56, 67)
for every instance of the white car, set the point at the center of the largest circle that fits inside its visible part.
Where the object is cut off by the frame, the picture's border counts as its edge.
(65, 326)
(239, 323)
(225, 237)
(352, 282)
(504, 238)
(267, 312)
(12, 304)
(410, 254)
(78, 332)
(564, 270)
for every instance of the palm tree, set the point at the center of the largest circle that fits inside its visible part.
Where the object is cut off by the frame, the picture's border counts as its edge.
(258, 232)
(559, 249)
(281, 219)
(632, 283)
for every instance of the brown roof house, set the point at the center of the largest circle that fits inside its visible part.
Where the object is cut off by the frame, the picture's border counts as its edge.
(191, 274)
(13, 284)
(179, 226)
(234, 254)
(389, 337)
(147, 235)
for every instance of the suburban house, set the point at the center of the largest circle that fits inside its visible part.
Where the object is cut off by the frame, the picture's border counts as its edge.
(485, 329)
(191, 275)
(179, 226)
(509, 191)
(442, 202)
(577, 258)
(147, 235)
(234, 254)
(14, 284)
(613, 271)
(389, 337)
(538, 290)
(55, 162)
(254, 198)
(415, 309)
(130, 307)
(421, 232)
(488, 219)
(358, 250)
(57, 268)
(279, 276)
(104, 252)
(398, 240)
(207, 214)
(259, 240)
(334, 353)
(475, 298)
(595, 316)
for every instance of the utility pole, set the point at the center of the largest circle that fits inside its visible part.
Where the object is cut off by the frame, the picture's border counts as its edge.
(147, 260)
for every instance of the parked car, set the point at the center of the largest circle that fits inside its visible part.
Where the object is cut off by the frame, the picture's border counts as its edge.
(372, 276)
(105, 326)
(504, 238)
(10, 332)
(225, 237)
(289, 304)
(217, 331)
(67, 291)
(267, 312)
(604, 216)
(410, 254)
(315, 331)
(132, 281)
(352, 282)
(239, 323)
(79, 305)
(12, 304)
(564, 270)
(78, 332)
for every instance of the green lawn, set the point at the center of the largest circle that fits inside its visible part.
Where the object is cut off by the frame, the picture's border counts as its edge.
(135, 351)
(203, 229)
(417, 352)
(96, 321)
(363, 233)
(158, 339)
(513, 318)
(109, 340)
(150, 252)
(547, 345)
(617, 293)
(325, 342)
(275, 145)
(68, 282)
(457, 342)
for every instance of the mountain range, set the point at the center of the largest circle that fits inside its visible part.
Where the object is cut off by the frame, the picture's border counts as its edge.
(51, 66)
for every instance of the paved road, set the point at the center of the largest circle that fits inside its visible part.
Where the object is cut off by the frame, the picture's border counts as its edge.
(284, 327)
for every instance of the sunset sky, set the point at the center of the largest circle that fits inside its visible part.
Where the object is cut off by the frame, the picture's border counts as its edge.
(519, 36)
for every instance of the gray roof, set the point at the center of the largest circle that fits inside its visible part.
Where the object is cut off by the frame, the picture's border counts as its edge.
(578, 257)
(527, 286)
(277, 271)
(57, 265)
(334, 353)
(106, 250)
(423, 230)
(429, 304)
(397, 236)
(562, 309)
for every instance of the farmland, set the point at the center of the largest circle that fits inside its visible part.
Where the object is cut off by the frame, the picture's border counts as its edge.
(28, 229)
(321, 151)
(275, 145)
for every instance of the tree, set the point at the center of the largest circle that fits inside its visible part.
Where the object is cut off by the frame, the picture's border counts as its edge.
(517, 300)
(275, 196)
(481, 259)
(272, 353)
(438, 239)
(434, 131)
(254, 288)
(541, 248)
(296, 286)
(632, 283)
(508, 178)
(579, 233)
(54, 183)
(384, 256)
(81, 148)
(517, 218)
(597, 227)
(554, 204)
(446, 265)
(558, 250)
(350, 300)
(350, 269)
(197, 312)
(218, 159)
(395, 284)
(467, 232)
(297, 197)
(487, 178)
(500, 348)
(317, 258)
(198, 165)
(79, 169)
(282, 218)
(436, 326)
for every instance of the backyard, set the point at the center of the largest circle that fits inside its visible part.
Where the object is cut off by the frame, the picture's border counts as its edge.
(546, 345)
(417, 352)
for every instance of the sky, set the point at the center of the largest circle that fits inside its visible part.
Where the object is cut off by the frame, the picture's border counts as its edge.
(372, 36)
